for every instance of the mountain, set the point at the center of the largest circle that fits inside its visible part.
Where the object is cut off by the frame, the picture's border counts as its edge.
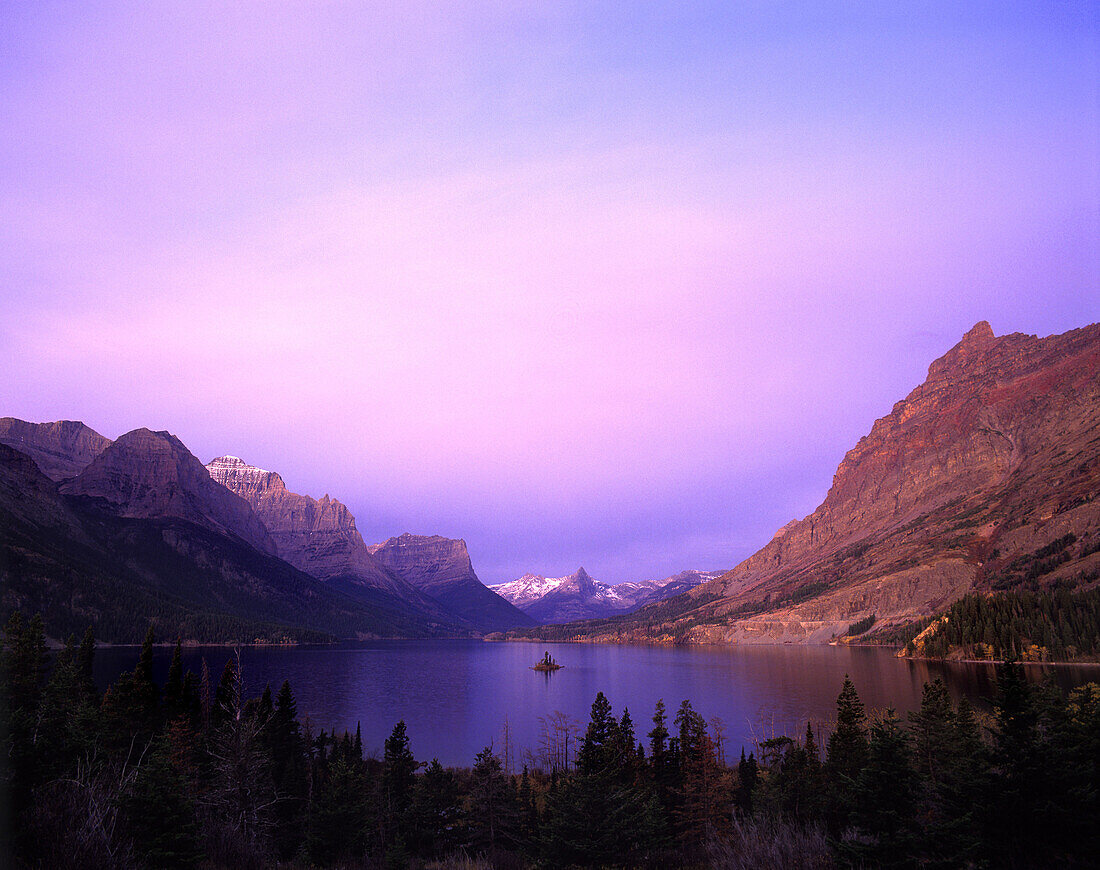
(441, 567)
(61, 449)
(651, 591)
(78, 562)
(578, 596)
(153, 475)
(983, 477)
(320, 538)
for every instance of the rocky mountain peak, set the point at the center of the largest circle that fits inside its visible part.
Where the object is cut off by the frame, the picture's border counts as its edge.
(61, 449)
(441, 567)
(969, 354)
(151, 474)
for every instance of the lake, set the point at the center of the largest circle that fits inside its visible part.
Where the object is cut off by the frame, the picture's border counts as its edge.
(456, 696)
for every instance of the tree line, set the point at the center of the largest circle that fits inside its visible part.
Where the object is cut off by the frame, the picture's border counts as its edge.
(192, 773)
(1057, 625)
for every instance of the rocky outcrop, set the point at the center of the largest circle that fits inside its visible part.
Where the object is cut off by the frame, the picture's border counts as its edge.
(579, 596)
(441, 567)
(152, 474)
(61, 450)
(961, 486)
(316, 536)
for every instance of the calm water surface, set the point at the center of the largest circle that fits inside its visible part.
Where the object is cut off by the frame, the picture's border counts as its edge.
(455, 696)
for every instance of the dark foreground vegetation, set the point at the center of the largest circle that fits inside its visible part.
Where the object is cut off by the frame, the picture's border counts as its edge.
(192, 774)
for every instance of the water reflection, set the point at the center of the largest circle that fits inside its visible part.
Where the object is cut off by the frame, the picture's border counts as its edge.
(455, 696)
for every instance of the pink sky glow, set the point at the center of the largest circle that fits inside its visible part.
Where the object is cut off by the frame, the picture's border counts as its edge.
(581, 285)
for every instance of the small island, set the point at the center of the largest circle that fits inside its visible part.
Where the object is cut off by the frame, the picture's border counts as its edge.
(547, 664)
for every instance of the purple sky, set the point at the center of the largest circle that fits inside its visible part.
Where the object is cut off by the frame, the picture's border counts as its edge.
(580, 284)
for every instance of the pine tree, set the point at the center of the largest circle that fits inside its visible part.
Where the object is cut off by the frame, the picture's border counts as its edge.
(288, 772)
(434, 813)
(398, 778)
(885, 801)
(173, 688)
(846, 754)
(337, 817)
(492, 820)
(748, 775)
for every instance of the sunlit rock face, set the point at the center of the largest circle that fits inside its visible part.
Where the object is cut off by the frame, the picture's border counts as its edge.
(441, 567)
(61, 449)
(315, 536)
(152, 474)
(994, 456)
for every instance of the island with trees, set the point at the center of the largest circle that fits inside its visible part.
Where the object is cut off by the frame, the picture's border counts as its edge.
(547, 663)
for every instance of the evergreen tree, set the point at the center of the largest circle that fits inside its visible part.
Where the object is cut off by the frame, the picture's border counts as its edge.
(748, 775)
(159, 816)
(599, 748)
(492, 818)
(950, 760)
(398, 778)
(337, 830)
(884, 813)
(593, 818)
(241, 794)
(130, 706)
(846, 754)
(288, 772)
(705, 796)
(85, 659)
(173, 688)
(434, 813)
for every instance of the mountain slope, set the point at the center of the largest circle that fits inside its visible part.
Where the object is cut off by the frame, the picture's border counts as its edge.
(78, 563)
(441, 567)
(150, 475)
(320, 538)
(61, 449)
(984, 476)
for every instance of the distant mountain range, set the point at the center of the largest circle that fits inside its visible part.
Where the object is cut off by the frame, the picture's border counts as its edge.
(984, 477)
(115, 534)
(578, 596)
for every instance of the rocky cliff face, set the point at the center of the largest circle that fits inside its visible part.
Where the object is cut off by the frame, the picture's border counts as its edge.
(315, 536)
(152, 474)
(61, 450)
(318, 537)
(441, 567)
(993, 457)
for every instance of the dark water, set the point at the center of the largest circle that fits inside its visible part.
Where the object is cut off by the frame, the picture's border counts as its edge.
(455, 696)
